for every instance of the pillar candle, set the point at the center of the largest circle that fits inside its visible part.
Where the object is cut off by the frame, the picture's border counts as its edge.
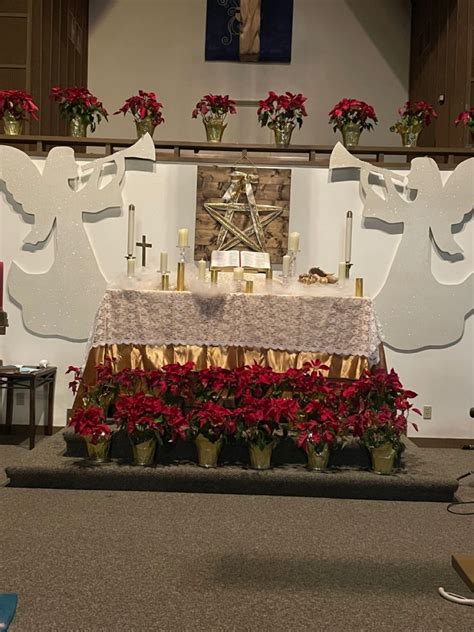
(294, 241)
(164, 261)
(201, 270)
(348, 242)
(238, 274)
(183, 237)
(131, 231)
(286, 264)
(342, 271)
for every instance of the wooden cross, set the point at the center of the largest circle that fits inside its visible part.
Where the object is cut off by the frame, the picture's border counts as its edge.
(143, 245)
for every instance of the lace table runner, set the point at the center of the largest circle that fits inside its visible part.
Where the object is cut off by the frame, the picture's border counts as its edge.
(336, 325)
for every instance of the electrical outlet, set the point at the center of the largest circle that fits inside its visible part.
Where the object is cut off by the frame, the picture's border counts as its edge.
(427, 412)
(20, 399)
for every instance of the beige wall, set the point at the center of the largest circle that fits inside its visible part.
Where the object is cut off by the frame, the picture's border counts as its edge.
(341, 48)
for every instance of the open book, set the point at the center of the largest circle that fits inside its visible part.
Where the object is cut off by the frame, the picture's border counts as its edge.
(230, 259)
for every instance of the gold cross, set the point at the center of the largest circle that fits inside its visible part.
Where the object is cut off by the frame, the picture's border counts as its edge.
(142, 244)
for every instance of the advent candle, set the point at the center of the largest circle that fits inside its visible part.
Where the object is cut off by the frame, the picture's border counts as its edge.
(183, 237)
(201, 270)
(286, 264)
(1, 285)
(238, 274)
(163, 261)
(294, 242)
(131, 231)
(348, 242)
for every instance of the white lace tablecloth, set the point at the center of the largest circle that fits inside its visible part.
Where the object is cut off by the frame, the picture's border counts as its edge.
(341, 325)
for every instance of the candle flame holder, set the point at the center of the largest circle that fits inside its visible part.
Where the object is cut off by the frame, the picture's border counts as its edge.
(181, 272)
(165, 280)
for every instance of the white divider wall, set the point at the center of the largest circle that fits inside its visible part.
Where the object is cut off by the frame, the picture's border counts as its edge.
(165, 201)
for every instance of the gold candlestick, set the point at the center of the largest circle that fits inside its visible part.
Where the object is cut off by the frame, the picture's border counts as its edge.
(248, 287)
(180, 287)
(165, 281)
(359, 286)
(348, 269)
(269, 274)
(214, 276)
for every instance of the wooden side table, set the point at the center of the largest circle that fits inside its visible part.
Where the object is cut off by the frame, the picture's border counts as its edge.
(31, 381)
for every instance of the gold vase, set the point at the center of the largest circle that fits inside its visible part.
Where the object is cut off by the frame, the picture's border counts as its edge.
(383, 458)
(208, 451)
(410, 135)
(98, 452)
(260, 458)
(317, 460)
(144, 451)
(78, 126)
(351, 134)
(145, 126)
(214, 128)
(283, 134)
(11, 125)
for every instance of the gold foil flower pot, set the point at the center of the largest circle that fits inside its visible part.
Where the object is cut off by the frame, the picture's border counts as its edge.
(383, 458)
(98, 449)
(317, 461)
(144, 452)
(208, 451)
(260, 458)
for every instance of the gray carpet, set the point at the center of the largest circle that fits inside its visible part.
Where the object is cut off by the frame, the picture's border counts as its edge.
(430, 475)
(94, 561)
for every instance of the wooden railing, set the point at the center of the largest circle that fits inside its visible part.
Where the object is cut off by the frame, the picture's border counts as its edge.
(230, 153)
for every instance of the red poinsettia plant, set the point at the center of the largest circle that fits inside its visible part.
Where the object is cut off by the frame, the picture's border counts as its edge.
(174, 383)
(17, 104)
(74, 101)
(103, 392)
(352, 111)
(262, 421)
(213, 421)
(278, 111)
(303, 384)
(253, 381)
(376, 407)
(90, 422)
(142, 106)
(215, 384)
(467, 118)
(417, 114)
(143, 415)
(319, 425)
(213, 106)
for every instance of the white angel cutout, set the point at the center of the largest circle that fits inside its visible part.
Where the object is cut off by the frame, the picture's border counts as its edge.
(416, 310)
(62, 301)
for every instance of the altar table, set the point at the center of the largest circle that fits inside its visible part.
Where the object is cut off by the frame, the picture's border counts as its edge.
(148, 328)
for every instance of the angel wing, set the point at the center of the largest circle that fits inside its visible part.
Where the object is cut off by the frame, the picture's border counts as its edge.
(457, 200)
(21, 177)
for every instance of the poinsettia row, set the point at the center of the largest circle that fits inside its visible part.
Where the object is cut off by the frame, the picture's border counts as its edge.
(252, 403)
(274, 111)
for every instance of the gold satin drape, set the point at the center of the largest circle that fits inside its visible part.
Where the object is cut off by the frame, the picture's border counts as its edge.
(149, 357)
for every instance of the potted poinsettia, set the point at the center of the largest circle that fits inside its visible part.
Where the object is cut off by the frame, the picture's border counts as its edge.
(146, 112)
(90, 423)
(253, 381)
(467, 118)
(209, 425)
(303, 384)
(147, 420)
(213, 109)
(351, 117)
(318, 429)
(414, 117)
(260, 423)
(215, 384)
(281, 113)
(376, 408)
(15, 106)
(80, 108)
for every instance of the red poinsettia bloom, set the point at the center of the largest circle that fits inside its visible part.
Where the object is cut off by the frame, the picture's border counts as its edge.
(415, 113)
(17, 103)
(75, 101)
(277, 111)
(143, 105)
(466, 117)
(260, 420)
(352, 111)
(214, 105)
(90, 421)
(212, 421)
(145, 413)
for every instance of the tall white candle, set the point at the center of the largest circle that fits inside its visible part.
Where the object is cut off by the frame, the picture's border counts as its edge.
(130, 267)
(164, 261)
(183, 237)
(238, 274)
(201, 270)
(348, 242)
(294, 241)
(131, 230)
(341, 271)
(286, 264)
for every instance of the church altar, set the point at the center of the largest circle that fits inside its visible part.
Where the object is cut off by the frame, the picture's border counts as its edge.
(149, 328)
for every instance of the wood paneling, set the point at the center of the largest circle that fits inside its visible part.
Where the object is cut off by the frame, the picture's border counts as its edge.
(441, 65)
(44, 47)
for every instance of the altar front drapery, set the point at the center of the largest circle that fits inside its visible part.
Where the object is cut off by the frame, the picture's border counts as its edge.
(147, 328)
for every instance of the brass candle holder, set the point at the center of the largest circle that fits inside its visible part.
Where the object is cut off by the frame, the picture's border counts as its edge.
(348, 269)
(130, 266)
(359, 287)
(165, 280)
(180, 285)
(248, 287)
(214, 277)
(269, 274)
